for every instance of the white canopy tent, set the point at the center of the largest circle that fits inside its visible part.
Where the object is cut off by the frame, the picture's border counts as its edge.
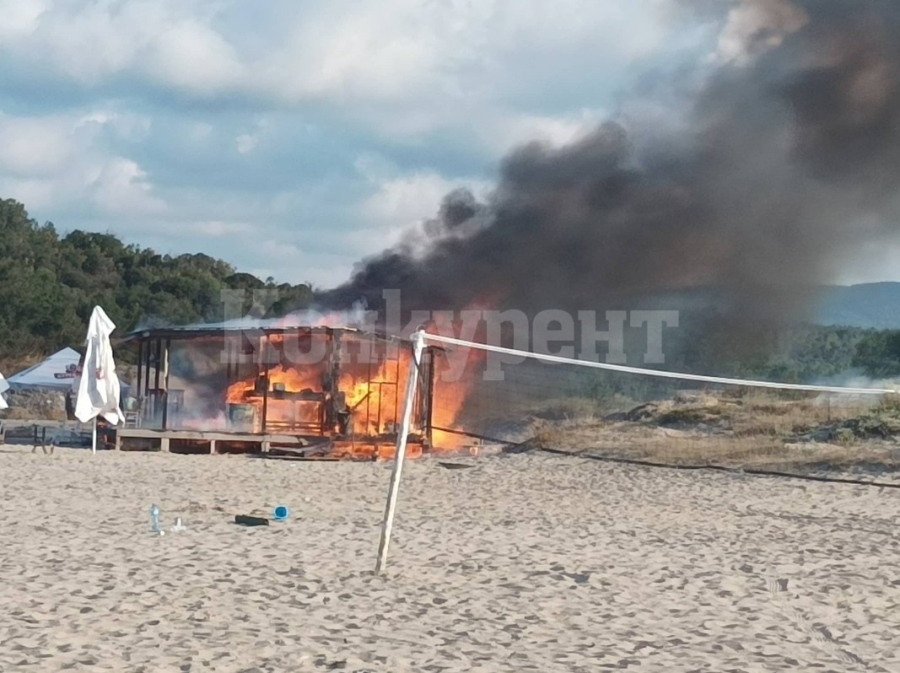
(55, 373)
(4, 386)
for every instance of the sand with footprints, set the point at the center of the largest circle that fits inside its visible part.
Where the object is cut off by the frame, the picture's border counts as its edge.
(518, 563)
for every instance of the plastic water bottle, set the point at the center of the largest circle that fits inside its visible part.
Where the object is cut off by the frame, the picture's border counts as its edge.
(154, 520)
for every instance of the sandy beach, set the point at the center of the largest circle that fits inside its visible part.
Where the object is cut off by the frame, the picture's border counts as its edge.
(521, 563)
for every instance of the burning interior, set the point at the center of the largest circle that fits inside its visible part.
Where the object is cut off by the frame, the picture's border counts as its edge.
(331, 389)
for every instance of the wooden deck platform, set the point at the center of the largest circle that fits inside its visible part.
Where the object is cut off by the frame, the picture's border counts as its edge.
(126, 438)
(212, 442)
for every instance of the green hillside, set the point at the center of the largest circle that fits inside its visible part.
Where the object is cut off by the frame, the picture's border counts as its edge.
(51, 283)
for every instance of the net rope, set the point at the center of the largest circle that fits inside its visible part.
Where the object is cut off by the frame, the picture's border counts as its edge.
(634, 414)
(744, 383)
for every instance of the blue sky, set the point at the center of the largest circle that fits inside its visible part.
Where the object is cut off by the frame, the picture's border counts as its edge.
(293, 138)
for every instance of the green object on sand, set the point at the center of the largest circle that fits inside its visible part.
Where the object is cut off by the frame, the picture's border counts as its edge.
(245, 520)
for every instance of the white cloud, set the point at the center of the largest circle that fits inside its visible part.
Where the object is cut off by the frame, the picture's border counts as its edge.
(400, 202)
(395, 50)
(36, 194)
(291, 263)
(200, 132)
(60, 161)
(192, 57)
(346, 50)
(407, 200)
(217, 228)
(125, 125)
(407, 68)
(246, 143)
(504, 132)
(88, 42)
(35, 147)
(406, 49)
(120, 187)
(19, 17)
(164, 41)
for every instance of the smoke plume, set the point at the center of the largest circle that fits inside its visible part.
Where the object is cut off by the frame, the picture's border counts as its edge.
(787, 160)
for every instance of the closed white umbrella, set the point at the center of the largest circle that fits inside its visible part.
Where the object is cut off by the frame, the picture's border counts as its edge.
(98, 387)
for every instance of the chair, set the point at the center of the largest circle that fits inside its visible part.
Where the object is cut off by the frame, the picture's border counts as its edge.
(132, 413)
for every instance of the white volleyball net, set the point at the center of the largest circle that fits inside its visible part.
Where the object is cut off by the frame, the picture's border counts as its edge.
(486, 395)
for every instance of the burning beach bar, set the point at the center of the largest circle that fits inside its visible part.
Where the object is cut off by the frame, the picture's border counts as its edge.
(264, 386)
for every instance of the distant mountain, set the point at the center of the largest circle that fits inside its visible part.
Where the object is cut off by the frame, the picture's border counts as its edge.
(870, 305)
(866, 306)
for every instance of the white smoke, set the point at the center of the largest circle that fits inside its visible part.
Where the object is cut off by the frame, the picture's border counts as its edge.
(357, 317)
(855, 379)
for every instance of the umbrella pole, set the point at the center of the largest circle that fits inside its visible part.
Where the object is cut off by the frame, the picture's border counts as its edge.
(94, 437)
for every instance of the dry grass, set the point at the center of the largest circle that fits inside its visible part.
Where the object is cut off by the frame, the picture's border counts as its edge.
(762, 414)
(13, 365)
(753, 431)
(21, 414)
(760, 452)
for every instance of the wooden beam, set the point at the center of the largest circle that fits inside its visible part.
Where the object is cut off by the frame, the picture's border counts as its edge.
(204, 435)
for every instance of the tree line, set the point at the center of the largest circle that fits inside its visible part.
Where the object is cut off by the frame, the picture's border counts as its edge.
(51, 283)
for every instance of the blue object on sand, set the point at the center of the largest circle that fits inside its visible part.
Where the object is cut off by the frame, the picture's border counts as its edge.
(280, 513)
(154, 520)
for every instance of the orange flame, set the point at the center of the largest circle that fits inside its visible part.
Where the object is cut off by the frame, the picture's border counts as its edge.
(298, 395)
(452, 384)
(374, 403)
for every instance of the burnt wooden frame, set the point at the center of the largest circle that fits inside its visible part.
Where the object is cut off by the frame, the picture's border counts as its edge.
(154, 346)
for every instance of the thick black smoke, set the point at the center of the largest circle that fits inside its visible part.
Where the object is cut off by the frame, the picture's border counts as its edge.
(789, 159)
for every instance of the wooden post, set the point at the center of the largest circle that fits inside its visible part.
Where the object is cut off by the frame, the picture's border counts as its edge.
(158, 359)
(140, 369)
(264, 355)
(146, 363)
(428, 397)
(366, 428)
(334, 361)
(397, 382)
(156, 376)
(165, 413)
(390, 508)
(232, 348)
